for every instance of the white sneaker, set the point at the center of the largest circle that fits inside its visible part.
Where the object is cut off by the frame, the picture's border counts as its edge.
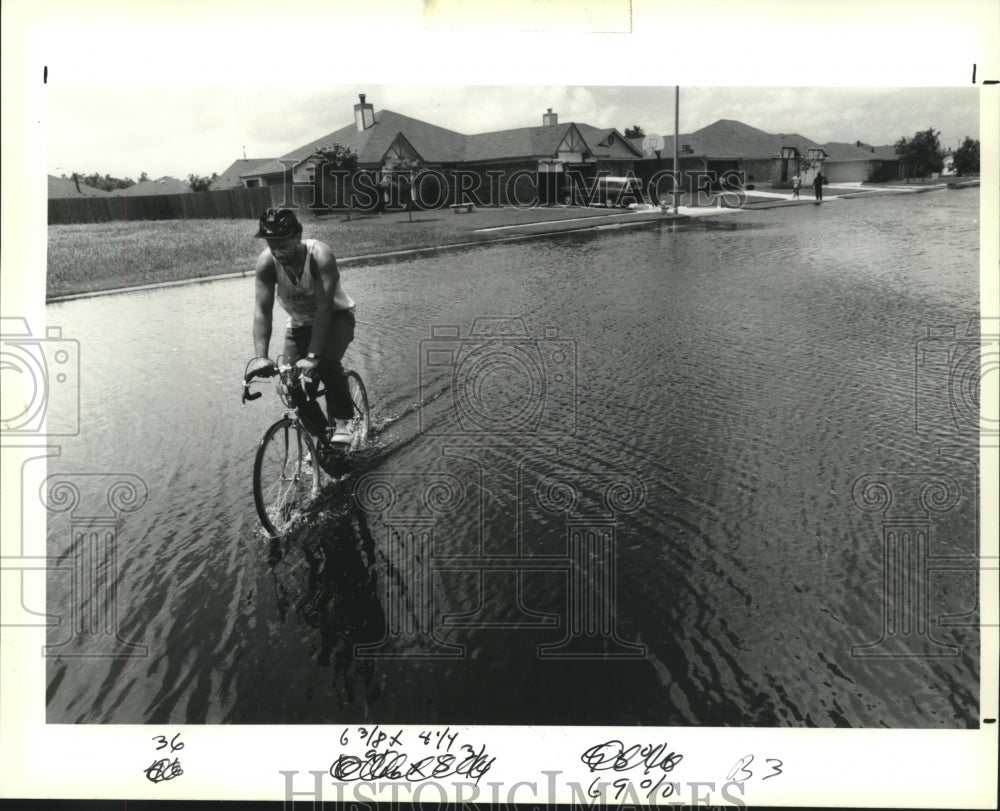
(341, 433)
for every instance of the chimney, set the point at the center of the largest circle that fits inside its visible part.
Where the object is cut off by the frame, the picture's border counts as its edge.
(364, 114)
(550, 118)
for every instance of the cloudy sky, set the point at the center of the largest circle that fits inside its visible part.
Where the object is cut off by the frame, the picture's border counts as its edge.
(179, 130)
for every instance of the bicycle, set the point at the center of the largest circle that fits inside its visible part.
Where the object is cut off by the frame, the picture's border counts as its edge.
(291, 454)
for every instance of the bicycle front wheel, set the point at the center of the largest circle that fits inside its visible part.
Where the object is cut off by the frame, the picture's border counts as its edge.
(285, 475)
(361, 423)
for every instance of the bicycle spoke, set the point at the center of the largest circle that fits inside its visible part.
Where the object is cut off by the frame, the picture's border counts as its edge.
(360, 422)
(285, 480)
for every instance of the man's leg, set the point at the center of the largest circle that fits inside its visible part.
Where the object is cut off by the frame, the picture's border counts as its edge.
(296, 346)
(339, 335)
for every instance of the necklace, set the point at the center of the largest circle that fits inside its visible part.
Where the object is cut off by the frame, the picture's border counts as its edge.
(298, 265)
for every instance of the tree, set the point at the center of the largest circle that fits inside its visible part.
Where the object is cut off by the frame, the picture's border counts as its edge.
(144, 178)
(106, 182)
(335, 158)
(967, 157)
(921, 154)
(199, 183)
(635, 131)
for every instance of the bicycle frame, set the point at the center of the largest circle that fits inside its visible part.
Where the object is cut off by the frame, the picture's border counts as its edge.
(294, 470)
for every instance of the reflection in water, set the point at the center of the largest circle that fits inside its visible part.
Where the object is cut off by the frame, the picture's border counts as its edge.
(325, 574)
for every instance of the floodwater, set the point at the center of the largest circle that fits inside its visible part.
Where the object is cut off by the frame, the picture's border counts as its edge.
(636, 476)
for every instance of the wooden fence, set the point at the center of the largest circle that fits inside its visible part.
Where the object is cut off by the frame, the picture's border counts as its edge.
(233, 204)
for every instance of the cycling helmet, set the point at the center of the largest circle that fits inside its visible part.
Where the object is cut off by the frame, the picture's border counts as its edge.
(279, 223)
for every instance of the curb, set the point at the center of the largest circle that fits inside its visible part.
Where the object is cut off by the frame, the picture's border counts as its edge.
(374, 257)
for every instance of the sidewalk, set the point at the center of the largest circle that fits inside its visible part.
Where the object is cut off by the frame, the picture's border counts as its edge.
(180, 251)
(759, 198)
(607, 218)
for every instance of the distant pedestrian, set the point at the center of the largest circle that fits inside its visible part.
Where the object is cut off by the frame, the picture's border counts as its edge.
(818, 186)
(796, 185)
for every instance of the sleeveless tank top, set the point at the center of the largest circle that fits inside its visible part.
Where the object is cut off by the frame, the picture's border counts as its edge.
(298, 299)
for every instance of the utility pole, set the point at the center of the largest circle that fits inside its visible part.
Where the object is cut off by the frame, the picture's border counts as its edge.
(677, 112)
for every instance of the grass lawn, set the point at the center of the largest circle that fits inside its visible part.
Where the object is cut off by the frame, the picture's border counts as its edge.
(103, 256)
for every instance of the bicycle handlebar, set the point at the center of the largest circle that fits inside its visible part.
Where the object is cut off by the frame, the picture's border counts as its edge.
(269, 371)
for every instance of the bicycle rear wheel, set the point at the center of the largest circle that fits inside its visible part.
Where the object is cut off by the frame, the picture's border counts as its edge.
(285, 475)
(361, 423)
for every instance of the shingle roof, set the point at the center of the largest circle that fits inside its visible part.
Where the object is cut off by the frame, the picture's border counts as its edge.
(727, 138)
(162, 185)
(886, 153)
(60, 187)
(734, 139)
(621, 148)
(524, 142)
(230, 179)
(543, 142)
(847, 152)
(724, 138)
(434, 144)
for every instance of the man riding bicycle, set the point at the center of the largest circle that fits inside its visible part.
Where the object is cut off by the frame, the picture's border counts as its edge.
(304, 276)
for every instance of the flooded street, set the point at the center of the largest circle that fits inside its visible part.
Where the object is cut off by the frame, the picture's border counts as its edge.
(617, 478)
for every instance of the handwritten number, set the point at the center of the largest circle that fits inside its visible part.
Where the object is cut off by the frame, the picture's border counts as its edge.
(740, 772)
(621, 784)
(172, 743)
(741, 766)
(165, 768)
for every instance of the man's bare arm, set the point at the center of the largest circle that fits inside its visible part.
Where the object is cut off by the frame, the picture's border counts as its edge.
(327, 275)
(263, 303)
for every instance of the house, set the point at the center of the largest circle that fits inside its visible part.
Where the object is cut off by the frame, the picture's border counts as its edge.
(765, 158)
(891, 167)
(377, 138)
(732, 146)
(230, 178)
(493, 167)
(550, 157)
(849, 163)
(61, 188)
(147, 188)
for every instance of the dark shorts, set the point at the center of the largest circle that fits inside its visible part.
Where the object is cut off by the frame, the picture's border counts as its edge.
(339, 334)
